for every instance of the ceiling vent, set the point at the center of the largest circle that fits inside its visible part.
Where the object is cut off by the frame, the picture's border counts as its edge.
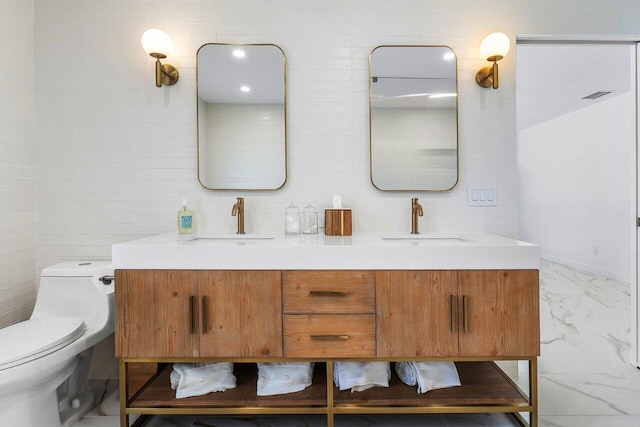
(598, 94)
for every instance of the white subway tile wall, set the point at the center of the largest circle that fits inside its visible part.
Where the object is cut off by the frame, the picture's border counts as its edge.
(115, 155)
(17, 163)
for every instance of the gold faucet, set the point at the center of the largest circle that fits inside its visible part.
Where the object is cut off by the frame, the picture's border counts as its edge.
(416, 211)
(238, 210)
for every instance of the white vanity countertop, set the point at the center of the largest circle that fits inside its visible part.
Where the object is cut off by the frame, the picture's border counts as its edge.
(373, 251)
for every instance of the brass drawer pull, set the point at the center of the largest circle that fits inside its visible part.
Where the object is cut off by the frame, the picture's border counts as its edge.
(330, 337)
(204, 314)
(328, 293)
(192, 314)
(453, 308)
(465, 313)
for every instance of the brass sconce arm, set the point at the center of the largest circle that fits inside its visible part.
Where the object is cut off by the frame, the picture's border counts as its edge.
(166, 74)
(488, 76)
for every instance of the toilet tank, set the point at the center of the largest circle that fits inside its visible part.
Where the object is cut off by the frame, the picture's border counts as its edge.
(69, 290)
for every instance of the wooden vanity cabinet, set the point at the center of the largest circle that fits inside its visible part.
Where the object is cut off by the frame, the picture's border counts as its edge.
(155, 313)
(470, 317)
(457, 313)
(414, 313)
(329, 313)
(500, 314)
(187, 313)
(242, 313)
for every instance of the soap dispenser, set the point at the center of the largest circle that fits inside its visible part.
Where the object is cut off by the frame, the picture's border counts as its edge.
(185, 219)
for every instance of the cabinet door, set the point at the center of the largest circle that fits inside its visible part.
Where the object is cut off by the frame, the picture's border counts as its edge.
(242, 313)
(415, 313)
(155, 316)
(501, 309)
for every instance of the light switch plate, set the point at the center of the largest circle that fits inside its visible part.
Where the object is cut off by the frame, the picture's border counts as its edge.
(482, 195)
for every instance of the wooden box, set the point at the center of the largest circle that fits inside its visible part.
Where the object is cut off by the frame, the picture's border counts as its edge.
(337, 222)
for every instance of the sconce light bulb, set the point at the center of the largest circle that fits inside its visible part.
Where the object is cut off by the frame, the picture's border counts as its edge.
(156, 42)
(495, 46)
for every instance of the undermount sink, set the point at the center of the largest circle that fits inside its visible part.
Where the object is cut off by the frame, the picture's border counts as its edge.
(205, 237)
(426, 237)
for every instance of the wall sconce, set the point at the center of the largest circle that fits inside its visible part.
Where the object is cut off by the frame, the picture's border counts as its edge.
(158, 44)
(494, 47)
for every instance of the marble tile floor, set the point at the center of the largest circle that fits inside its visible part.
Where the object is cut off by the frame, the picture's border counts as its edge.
(584, 378)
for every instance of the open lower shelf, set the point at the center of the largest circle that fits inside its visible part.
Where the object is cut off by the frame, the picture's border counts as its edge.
(158, 393)
(483, 384)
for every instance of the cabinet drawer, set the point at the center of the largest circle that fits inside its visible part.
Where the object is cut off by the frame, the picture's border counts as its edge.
(329, 335)
(308, 292)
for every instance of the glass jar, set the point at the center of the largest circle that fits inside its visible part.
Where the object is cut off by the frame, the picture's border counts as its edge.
(309, 220)
(292, 220)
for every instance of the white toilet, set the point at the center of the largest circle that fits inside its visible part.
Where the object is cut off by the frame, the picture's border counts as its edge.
(44, 361)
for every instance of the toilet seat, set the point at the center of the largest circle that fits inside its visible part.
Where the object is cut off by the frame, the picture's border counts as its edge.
(36, 338)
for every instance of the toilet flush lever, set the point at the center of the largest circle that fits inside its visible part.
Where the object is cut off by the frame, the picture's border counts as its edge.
(106, 280)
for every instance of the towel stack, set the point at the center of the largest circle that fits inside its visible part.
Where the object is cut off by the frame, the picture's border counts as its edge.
(360, 376)
(196, 379)
(282, 378)
(428, 375)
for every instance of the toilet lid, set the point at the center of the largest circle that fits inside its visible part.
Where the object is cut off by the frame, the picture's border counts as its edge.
(35, 338)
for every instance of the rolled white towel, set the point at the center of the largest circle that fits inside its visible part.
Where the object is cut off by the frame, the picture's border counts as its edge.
(361, 376)
(428, 375)
(407, 373)
(196, 379)
(282, 378)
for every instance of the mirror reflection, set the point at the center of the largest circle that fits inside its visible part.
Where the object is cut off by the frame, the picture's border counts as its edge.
(413, 118)
(241, 117)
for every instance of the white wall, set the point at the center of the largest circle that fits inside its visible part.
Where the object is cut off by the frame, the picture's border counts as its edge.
(576, 179)
(17, 162)
(116, 155)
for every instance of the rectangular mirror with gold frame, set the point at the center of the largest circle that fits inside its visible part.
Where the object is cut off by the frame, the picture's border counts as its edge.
(413, 112)
(241, 116)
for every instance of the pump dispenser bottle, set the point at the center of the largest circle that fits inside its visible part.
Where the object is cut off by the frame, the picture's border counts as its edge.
(185, 219)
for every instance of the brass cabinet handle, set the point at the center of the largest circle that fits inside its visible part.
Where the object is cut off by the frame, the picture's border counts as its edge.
(330, 337)
(453, 308)
(328, 293)
(465, 313)
(192, 314)
(204, 314)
